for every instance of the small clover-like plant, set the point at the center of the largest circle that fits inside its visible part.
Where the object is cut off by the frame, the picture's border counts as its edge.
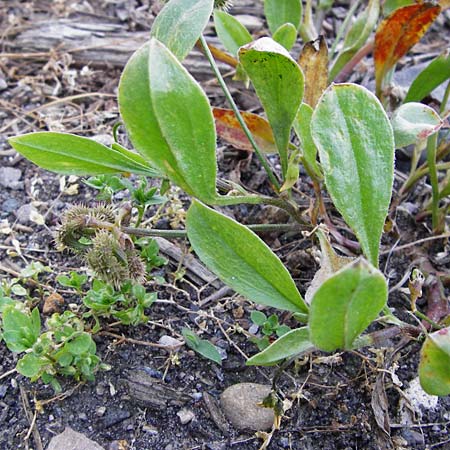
(346, 139)
(269, 326)
(64, 348)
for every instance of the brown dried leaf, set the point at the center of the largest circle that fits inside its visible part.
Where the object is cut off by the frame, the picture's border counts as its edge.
(314, 62)
(229, 129)
(398, 33)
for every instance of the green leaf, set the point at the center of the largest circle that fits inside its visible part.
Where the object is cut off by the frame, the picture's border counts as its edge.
(290, 344)
(75, 155)
(279, 12)
(430, 78)
(20, 329)
(345, 304)
(80, 344)
(142, 115)
(241, 259)
(230, 32)
(413, 122)
(302, 127)
(180, 23)
(434, 373)
(279, 84)
(389, 6)
(356, 148)
(286, 35)
(356, 36)
(185, 118)
(201, 346)
(30, 365)
(258, 317)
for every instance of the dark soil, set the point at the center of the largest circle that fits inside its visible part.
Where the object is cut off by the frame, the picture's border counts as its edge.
(331, 395)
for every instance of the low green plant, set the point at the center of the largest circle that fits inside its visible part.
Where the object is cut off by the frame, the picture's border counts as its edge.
(269, 326)
(127, 305)
(65, 348)
(347, 145)
(202, 346)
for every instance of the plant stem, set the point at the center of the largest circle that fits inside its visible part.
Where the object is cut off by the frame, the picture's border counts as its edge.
(343, 27)
(431, 160)
(445, 99)
(427, 319)
(174, 234)
(418, 174)
(241, 121)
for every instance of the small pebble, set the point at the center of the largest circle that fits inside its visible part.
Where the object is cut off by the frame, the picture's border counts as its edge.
(9, 178)
(100, 411)
(10, 205)
(150, 429)
(25, 212)
(185, 415)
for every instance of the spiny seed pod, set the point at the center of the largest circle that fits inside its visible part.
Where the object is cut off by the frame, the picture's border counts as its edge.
(104, 213)
(73, 226)
(112, 263)
(223, 4)
(70, 232)
(136, 267)
(107, 259)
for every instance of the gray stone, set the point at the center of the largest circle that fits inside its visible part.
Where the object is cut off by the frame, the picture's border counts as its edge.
(185, 415)
(9, 178)
(240, 405)
(10, 205)
(115, 416)
(25, 212)
(72, 440)
(413, 438)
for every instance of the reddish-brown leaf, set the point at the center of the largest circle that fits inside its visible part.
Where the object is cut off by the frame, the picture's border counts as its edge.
(229, 129)
(314, 62)
(398, 33)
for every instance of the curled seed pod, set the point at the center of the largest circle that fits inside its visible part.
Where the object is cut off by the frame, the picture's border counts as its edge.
(107, 259)
(74, 226)
(71, 231)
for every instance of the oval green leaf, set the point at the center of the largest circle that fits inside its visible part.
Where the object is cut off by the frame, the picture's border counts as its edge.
(180, 23)
(241, 259)
(279, 12)
(413, 122)
(181, 166)
(290, 344)
(434, 368)
(230, 32)
(75, 155)
(345, 304)
(79, 345)
(30, 365)
(286, 35)
(279, 84)
(430, 78)
(356, 148)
